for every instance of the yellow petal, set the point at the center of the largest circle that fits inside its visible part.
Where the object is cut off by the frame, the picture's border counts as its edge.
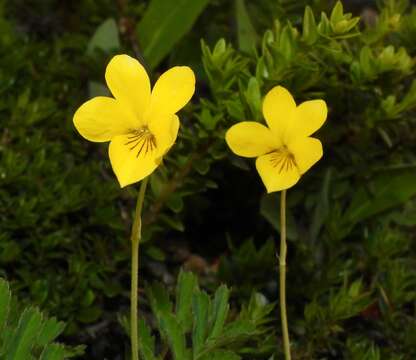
(276, 178)
(165, 129)
(307, 151)
(129, 83)
(279, 110)
(173, 90)
(128, 166)
(311, 115)
(102, 118)
(251, 139)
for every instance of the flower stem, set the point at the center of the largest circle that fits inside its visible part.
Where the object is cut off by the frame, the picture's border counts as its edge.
(136, 235)
(282, 271)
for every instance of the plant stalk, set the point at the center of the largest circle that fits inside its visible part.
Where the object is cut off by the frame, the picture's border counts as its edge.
(136, 235)
(282, 272)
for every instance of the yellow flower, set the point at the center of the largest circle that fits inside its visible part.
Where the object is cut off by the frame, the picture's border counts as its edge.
(284, 150)
(141, 124)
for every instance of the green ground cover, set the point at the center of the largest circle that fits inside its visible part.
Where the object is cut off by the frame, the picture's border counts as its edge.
(64, 221)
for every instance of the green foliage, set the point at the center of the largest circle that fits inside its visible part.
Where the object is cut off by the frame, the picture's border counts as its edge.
(163, 24)
(64, 221)
(105, 38)
(28, 334)
(213, 332)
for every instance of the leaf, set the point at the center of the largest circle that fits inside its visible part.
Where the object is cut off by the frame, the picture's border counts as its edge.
(164, 24)
(220, 355)
(53, 352)
(105, 38)
(50, 331)
(155, 253)
(172, 330)
(146, 342)
(337, 13)
(322, 208)
(253, 96)
(187, 284)
(310, 30)
(89, 314)
(234, 333)
(25, 335)
(159, 300)
(202, 166)
(175, 202)
(270, 210)
(384, 192)
(200, 305)
(247, 36)
(287, 42)
(173, 222)
(220, 308)
(5, 297)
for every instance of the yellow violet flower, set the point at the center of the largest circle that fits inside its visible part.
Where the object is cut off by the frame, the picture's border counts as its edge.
(140, 124)
(284, 150)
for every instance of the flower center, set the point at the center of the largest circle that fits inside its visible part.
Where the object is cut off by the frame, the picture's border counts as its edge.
(141, 140)
(283, 159)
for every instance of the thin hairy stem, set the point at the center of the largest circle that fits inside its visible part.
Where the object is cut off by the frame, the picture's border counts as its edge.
(136, 235)
(282, 272)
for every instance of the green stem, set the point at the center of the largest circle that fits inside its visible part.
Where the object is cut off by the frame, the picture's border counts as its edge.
(136, 235)
(282, 271)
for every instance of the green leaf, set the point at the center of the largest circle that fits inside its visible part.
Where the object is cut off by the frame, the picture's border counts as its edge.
(146, 342)
(310, 30)
(287, 43)
(172, 330)
(164, 24)
(25, 335)
(5, 297)
(201, 305)
(175, 202)
(202, 166)
(220, 355)
(159, 300)
(367, 62)
(381, 193)
(270, 210)
(173, 222)
(105, 38)
(187, 284)
(50, 331)
(89, 314)
(220, 308)
(337, 13)
(324, 26)
(322, 208)
(155, 253)
(53, 352)
(253, 96)
(247, 36)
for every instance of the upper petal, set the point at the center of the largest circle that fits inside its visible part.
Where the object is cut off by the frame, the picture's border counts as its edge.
(307, 151)
(128, 163)
(173, 90)
(251, 139)
(279, 110)
(311, 115)
(129, 83)
(276, 178)
(165, 129)
(102, 118)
